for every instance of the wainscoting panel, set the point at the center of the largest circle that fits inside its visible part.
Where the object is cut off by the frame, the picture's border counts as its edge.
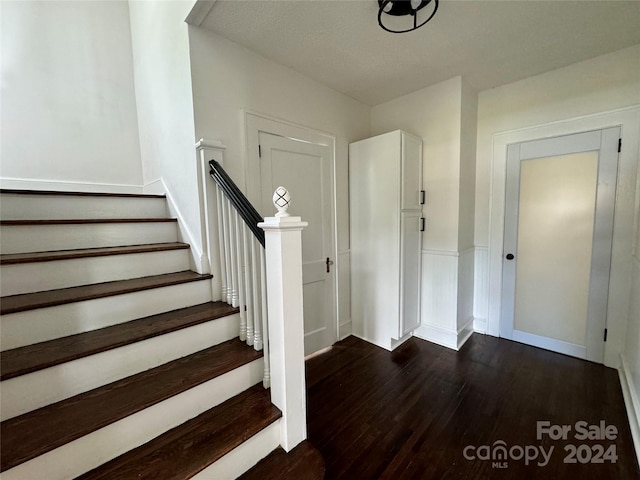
(344, 294)
(481, 289)
(465, 286)
(439, 298)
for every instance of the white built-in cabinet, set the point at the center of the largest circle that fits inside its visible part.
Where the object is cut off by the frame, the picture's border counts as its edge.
(385, 198)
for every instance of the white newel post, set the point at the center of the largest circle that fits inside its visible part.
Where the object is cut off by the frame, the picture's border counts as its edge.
(211, 213)
(283, 250)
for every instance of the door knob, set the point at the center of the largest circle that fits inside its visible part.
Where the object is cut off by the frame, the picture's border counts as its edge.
(510, 256)
(329, 263)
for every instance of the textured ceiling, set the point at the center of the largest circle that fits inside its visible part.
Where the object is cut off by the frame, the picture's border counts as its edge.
(489, 43)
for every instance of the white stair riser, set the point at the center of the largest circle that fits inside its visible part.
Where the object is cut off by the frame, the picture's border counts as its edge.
(90, 451)
(244, 456)
(47, 207)
(45, 238)
(34, 390)
(42, 324)
(40, 276)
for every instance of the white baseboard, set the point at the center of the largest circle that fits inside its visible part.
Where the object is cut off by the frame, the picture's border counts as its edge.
(437, 335)
(444, 337)
(464, 333)
(480, 325)
(631, 403)
(344, 330)
(68, 186)
(155, 188)
(396, 343)
(393, 344)
(571, 349)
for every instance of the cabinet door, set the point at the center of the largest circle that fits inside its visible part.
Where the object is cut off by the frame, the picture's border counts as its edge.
(411, 172)
(410, 254)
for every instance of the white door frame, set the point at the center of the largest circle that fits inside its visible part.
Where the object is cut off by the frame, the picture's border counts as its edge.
(254, 123)
(605, 143)
(619, 291)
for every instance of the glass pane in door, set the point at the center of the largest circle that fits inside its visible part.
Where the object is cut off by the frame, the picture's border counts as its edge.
(555, 238)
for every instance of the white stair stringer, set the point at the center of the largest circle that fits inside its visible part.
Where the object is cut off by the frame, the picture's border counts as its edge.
(40, 206)
(244, 456)
(52, 237)
(50, 275)
(42, 324)
(37, 389)
(86, 453)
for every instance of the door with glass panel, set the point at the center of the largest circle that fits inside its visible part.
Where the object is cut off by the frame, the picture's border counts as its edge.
(560, 198)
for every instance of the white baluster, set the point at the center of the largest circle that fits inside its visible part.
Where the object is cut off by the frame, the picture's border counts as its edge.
(232, 248)
(249, 287)
(258, 342)
(255, 274)
(240, 265)
(227, 248)
(266, 381)
(222, 244)
(238, 223)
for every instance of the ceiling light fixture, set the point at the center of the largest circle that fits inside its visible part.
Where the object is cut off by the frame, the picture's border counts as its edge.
(400, 8)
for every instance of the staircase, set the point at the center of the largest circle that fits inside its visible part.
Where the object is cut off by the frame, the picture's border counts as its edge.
(115, 361)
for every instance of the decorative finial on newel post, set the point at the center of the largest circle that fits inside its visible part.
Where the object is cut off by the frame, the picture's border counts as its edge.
(281, 200)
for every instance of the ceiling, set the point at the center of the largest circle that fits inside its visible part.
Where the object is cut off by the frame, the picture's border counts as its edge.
(488, 42)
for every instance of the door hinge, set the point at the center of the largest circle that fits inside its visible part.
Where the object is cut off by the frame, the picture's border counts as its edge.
(260, 151)
(619, 145)
(605, 334)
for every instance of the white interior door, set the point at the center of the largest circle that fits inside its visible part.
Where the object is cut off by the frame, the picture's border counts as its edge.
(560, 198)
(306, 170)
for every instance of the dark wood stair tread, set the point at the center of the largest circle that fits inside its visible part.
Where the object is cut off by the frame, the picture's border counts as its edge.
(50, 298)
(78, 194)
(34, 433)
(31, 257)
(189, 448)
(31, 358)
(304, 462)
(80, 221)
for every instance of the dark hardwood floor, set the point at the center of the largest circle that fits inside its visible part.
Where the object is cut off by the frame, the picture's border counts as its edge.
(409, 414)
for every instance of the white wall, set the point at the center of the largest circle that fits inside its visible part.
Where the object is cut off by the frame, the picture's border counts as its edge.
(552, 103)
(68, 103)
(468, 130)
(434, 114)
(228, 78)
(164, 100)
(597, 85)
